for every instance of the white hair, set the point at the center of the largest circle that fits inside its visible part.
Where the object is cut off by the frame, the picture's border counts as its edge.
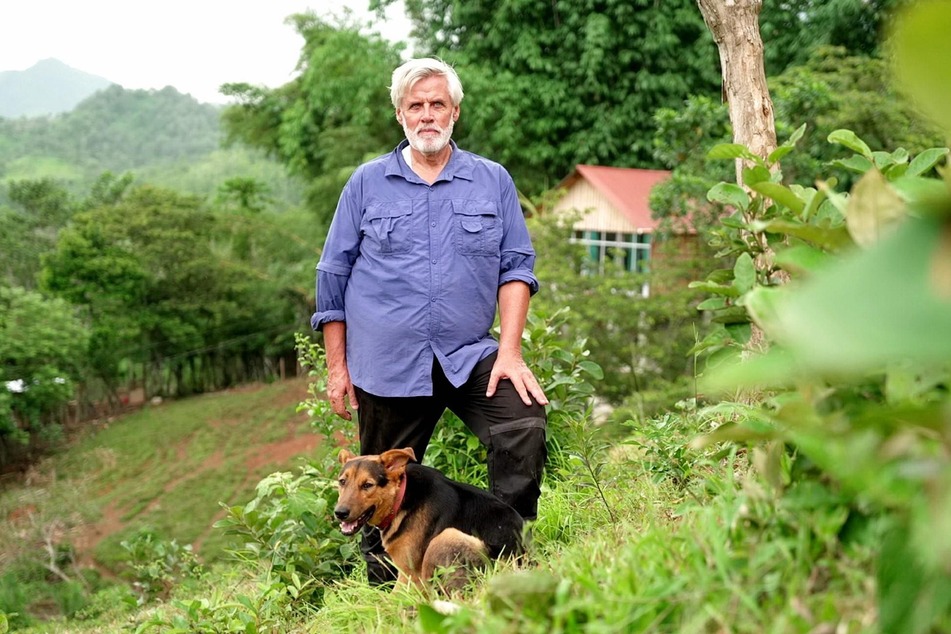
(406, 76)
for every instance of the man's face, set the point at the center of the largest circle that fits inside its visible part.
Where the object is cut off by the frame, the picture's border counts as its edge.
(427, 115)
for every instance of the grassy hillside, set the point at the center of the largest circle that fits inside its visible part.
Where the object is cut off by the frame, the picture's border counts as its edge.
(165, 468)
(636, 533)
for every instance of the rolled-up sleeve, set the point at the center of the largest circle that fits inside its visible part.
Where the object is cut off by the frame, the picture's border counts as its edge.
(339, 253)
(518, 255)
(518, 267)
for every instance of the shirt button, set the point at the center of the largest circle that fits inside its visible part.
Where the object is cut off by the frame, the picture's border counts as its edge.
(433, 224)
(434, 261)
(432, 299)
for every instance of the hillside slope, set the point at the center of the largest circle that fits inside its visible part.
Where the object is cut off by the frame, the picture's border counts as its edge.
(166, 469)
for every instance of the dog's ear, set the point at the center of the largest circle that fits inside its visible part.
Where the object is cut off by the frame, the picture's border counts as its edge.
(344, 456)
(396, 459)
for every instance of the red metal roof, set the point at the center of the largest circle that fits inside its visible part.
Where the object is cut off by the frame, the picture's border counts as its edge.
(627, 188)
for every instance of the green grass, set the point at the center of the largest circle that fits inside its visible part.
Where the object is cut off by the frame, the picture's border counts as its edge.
(708, 548)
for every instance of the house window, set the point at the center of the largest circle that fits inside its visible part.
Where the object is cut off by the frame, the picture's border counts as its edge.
(631, 250)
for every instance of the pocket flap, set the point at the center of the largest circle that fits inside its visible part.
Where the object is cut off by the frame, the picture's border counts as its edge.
(392, 209)
(475, 207)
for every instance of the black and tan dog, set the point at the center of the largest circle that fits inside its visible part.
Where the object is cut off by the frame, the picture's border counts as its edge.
(427, 521)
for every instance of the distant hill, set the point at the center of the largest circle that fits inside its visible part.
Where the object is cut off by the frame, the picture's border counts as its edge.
(116, 129)
(48, 87)
(163, 137)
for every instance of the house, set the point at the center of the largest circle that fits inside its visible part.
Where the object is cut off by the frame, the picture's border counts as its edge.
(616, 223)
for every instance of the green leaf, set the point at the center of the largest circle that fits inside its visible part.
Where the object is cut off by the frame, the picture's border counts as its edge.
(831, 238)
(781, 195)
(855, 163)
(850, 140)
(815, 198)
(712, 303)
(924, 161)
(874, 208)
(755, 174)
(892, 301)
(732, 315)
(731, 151)
(761, 303)
(778, 153)
(729, 194)
(796, 136)
(927, 196)
(717, 289)
(592, 368)
(744, 273)
(431, 621)
(740, 333)
(788, 146)
(802, 258)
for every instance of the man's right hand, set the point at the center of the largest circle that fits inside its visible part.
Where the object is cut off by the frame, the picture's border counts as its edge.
(340, 390)
(339, 387)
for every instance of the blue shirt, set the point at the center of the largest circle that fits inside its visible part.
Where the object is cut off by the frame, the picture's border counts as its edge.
(414, 269)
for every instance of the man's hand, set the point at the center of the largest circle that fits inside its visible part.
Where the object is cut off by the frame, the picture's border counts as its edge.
(339, 387)
(511, 366)
(340, 390)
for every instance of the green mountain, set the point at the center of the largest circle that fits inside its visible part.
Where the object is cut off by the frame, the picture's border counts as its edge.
(162, 136)
(48, 87)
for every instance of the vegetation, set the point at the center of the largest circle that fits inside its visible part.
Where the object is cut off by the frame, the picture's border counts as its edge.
(164, 137)
(800, 484)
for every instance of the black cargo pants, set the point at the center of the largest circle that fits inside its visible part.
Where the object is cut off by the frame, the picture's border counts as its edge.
(512, 432)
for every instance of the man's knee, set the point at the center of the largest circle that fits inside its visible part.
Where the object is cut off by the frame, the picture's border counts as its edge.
(517, 461)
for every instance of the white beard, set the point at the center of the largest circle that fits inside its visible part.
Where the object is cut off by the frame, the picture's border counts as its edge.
(429, 144)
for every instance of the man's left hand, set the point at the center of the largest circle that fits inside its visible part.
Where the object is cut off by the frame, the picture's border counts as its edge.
(512, 367)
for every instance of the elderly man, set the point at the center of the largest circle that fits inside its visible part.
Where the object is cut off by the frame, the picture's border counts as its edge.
(427, 242)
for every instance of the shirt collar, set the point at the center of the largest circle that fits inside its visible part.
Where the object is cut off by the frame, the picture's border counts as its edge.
(460, 164)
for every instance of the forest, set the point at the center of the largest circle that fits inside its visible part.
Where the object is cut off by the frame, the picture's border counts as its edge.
(763, 446)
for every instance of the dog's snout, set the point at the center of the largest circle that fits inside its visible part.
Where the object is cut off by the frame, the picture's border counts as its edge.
(342, 513)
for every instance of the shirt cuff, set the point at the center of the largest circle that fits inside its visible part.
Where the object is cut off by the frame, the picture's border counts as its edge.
(317, 320)
(520, 276)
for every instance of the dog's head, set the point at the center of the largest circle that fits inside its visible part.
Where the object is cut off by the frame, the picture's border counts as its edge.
(369, 487)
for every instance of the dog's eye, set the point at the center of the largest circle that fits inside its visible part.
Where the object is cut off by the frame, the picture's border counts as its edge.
(367, 486)
(342, 482)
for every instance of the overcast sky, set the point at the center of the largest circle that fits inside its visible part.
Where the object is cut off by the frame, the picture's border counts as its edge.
(193, 45)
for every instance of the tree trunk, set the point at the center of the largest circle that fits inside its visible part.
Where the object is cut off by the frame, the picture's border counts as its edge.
(735, 28)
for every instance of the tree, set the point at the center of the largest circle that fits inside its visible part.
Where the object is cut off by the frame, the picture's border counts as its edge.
(334, 115)
(793, 30)
(557, 84)
(42, 352)
(163, 285)
(30, 230)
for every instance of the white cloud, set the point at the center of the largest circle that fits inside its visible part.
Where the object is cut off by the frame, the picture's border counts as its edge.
(194, 45)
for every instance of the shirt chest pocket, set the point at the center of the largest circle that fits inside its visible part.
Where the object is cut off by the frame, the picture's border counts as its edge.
(387, 226)
(477, 229)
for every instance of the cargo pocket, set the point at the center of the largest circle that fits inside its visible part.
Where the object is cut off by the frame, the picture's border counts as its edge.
(516, 462)
(477, 227)
(387, 226)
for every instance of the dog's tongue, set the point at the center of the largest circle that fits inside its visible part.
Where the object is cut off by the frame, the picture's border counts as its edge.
(348, 528)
